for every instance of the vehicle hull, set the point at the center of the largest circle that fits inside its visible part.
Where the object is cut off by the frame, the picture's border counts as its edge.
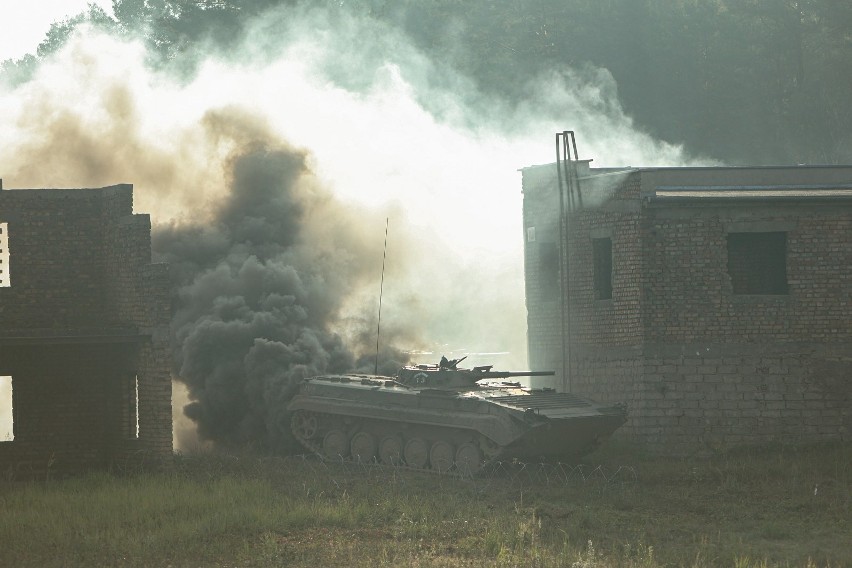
(347, 416)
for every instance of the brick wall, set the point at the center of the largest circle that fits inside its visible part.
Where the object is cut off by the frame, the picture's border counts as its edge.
(67, 416)
(610, 210)
(688, 294)
(541, 268)
(723, 369)
(84, 321)
(700, 366)
(709, 396)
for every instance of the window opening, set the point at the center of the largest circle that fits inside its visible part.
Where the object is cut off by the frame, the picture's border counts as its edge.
(5, 277)
(136, 407)
(602, 261)
(757, 262)
(130, 414)
(7, 423)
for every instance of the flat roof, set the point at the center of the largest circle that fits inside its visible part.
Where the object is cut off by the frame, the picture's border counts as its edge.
(706, 184)
(809, 192)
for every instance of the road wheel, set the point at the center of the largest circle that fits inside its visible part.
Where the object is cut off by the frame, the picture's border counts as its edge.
(304, 425)
(363, 447)
(390, 450)
(416, 453)
(468, 459)
(489, 448)
(335, 445)
(441, 456)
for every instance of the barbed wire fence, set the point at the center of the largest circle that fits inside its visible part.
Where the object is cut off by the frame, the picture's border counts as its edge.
(503, 474)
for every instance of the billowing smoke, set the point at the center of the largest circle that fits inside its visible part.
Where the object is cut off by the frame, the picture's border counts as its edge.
(270, 175)
(257, 294)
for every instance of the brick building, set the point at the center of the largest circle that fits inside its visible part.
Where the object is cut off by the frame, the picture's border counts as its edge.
(716, 302)
(84, 334)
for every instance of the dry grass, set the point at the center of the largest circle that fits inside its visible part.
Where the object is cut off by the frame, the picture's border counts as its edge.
(770, 507)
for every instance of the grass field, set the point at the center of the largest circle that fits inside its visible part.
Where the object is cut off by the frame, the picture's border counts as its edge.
(776, 506)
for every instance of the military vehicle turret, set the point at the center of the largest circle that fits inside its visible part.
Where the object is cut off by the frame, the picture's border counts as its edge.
(447, 375)
(446, 419)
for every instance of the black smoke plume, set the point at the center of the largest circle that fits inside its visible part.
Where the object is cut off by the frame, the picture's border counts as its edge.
(259, 284)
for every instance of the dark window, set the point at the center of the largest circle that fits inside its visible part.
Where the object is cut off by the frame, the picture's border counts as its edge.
(602, 259)
(757, 262)
(548, 270)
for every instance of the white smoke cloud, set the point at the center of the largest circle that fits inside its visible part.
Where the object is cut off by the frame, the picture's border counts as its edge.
(387, 131)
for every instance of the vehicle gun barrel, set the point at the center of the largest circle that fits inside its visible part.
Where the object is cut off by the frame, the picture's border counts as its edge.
(507, 374)
(447, 374)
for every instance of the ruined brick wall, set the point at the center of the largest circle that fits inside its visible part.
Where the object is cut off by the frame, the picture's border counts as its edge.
(84, 321)
(61, 284)
(154, 370)
(67, 412)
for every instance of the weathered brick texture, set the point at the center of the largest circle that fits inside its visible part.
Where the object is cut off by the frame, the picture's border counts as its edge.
(701, 367)
(84, 333)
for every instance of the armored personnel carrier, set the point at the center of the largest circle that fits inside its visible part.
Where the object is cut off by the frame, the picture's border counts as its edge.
(445, 418)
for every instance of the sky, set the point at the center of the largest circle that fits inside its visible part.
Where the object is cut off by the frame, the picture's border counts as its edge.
(25, 22)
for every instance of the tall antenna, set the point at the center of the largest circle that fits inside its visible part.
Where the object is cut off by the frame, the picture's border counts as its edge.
(381, 290)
